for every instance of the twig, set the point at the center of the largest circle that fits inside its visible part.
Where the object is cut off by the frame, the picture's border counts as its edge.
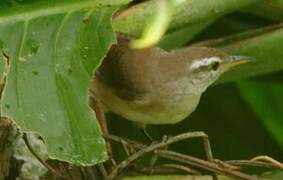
(4, 75)
(269, 160)
(229, 166)
(250, 163)
(51, 169)
(206, 165)
(66, 169)
(99, 112)
(167, 169)
(102, 170)
(153, 147)
(5, 132)
(226, 165)
(181, 168)
(100, 115)
(120, 140)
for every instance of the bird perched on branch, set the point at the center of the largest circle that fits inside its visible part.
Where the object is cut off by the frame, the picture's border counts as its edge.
(154, 86)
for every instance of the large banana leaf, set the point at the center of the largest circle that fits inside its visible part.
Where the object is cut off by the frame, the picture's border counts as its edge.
(53, 48)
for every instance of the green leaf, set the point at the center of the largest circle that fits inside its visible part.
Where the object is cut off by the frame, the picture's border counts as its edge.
(54, 49)
(266, 100)
(133, 20)
(182, 36)
(271, 9)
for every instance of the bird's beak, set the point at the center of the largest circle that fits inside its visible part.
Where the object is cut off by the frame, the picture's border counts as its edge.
(238, 60)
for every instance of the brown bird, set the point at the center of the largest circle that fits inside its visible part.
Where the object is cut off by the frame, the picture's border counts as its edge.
(154, 86)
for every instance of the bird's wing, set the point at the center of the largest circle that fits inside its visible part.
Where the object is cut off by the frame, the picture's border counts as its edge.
(131, 74)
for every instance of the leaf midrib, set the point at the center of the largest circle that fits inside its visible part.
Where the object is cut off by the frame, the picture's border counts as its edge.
(59, 92)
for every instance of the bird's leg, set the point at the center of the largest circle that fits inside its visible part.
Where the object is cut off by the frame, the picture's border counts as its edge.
(142, 128)
(154, 158)
(147, 135)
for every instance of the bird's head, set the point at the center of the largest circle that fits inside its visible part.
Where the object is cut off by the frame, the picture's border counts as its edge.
(209, 64)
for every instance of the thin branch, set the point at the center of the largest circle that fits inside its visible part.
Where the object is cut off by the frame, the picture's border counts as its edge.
(269, 160)
(121, 140)
(100, 115)
(151, 148)
(102, 170)
(51, 169)
(224, 166)
(167, 169)
(181, 168)
(5, 74)
(206, 165)
(249, 163)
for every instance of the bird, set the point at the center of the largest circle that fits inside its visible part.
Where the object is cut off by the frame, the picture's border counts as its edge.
(155, 86)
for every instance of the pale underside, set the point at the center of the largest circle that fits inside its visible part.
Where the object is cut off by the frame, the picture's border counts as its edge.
(153, 108)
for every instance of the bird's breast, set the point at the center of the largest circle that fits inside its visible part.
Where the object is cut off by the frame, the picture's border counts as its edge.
(169, 104)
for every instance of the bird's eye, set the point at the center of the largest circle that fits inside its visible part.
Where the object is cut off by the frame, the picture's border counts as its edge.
(215, 66)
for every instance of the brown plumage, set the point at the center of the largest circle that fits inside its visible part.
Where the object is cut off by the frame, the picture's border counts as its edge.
(153, 85)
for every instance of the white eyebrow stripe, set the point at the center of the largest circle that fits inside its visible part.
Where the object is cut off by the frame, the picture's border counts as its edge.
(203, 62)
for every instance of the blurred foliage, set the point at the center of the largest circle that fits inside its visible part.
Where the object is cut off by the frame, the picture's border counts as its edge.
(264, 96)
(270, 9)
